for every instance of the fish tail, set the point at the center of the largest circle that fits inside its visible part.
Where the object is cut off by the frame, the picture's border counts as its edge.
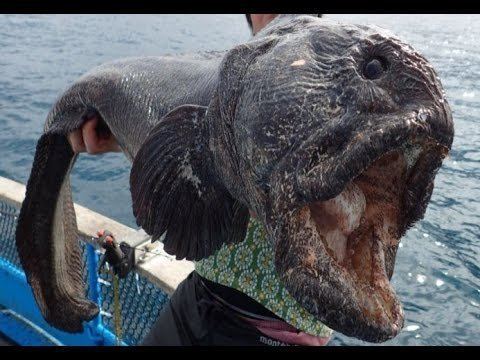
(47, 237)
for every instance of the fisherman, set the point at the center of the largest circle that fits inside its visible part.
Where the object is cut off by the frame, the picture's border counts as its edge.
(233, 297)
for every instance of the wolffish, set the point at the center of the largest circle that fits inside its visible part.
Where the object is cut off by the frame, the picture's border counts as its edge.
(330, 133)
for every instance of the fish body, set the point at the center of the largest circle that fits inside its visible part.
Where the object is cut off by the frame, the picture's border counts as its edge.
(330, 133)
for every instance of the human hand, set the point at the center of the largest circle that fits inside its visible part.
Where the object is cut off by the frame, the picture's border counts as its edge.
(94, 138)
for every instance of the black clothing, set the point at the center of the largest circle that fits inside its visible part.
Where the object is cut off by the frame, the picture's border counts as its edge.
(198, 314)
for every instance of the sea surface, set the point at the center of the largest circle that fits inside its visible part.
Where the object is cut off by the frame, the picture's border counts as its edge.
(437, 274)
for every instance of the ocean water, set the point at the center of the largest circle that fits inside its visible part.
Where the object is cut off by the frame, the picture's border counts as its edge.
(437, 273)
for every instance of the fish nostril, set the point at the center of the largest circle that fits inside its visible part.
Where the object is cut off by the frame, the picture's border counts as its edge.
(373, 69)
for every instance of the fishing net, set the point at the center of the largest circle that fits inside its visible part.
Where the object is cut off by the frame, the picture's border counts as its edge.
(140, 303)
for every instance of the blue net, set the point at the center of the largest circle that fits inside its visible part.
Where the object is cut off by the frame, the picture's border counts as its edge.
(140, 303)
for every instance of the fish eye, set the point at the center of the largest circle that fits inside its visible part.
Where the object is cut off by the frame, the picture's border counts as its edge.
(374, 69)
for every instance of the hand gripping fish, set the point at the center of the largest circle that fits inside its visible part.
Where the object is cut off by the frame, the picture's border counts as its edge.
(330, 133)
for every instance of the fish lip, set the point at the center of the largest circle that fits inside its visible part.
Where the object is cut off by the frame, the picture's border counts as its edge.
(419, 184)
(295, 182)
(323, 179)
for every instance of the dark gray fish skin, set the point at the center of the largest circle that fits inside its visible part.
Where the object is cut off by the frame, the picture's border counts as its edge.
(285, 122)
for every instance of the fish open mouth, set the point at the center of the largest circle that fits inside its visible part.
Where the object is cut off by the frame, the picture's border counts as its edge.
(336, 256)
(359, 230)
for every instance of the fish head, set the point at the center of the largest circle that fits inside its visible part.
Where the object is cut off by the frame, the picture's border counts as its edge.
(332, 135)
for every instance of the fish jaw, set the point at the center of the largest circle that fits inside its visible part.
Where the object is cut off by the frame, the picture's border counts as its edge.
(341, 299)
(331, 254)
(337, 255)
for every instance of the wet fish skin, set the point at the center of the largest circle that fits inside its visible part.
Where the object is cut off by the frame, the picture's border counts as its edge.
(274, 124)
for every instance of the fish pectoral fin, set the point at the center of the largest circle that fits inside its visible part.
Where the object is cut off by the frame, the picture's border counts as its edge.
(175, 194)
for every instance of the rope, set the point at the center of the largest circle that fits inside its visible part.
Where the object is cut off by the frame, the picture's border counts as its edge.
(117, 318)
(140, 248)
(107, 242)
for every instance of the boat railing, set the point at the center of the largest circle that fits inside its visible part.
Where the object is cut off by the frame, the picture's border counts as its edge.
(142, 294)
